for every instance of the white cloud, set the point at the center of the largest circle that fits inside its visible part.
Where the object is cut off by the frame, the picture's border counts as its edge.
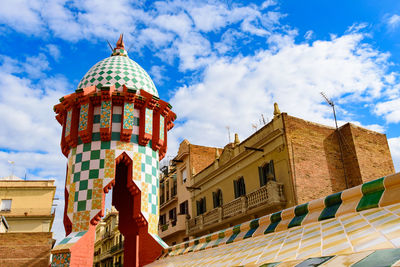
(390, 110)
(393, 21)
(235, 92)
(53, 51)
(308, 35)
(394, 145)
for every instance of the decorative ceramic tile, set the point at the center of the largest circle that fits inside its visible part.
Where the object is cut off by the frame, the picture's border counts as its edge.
(129, 117)
(364, 226)
(149, 121)
(105, 114)
(83, 117)
(68, 123)
(162, 121)
(61, 259)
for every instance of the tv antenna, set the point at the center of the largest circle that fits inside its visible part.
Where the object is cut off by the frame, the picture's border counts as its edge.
(229, 134)
(263, 119)
(110, 45)
(330, 102)
(12, 163)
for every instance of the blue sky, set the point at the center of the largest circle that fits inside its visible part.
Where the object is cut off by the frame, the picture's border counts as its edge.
(219, 63)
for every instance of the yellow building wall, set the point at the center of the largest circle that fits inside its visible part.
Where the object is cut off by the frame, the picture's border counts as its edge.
(31, 205)
(235, 162)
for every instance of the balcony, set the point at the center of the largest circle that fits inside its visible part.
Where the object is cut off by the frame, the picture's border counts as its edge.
(269, 196)
(117, 248)
(107, 235)
(168, 201)
(169, 228)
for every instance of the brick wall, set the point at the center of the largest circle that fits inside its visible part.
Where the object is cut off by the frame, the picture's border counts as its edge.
(314, 155)
(25, 249)
(315, 159)
(201, 157)
(373, 153)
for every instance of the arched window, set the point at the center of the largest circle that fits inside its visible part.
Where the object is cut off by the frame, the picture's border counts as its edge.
(217, 198)
(239, 187)
(266, 173)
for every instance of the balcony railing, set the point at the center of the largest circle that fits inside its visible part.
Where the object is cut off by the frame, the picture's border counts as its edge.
(106, 235)
(267, 196)
(117, 247)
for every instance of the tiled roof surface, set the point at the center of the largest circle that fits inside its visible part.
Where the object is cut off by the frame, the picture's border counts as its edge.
(356, 227)
(118, 70)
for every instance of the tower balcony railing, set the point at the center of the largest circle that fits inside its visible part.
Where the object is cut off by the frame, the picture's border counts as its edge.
(267, 196)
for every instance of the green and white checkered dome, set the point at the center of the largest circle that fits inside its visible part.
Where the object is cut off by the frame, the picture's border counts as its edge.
(119, 69)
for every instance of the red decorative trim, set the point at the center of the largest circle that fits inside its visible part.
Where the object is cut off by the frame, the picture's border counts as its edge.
(156, 142)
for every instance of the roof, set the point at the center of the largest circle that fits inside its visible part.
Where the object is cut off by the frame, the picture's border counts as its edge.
(357, 227)
(118, 69)
(10, 178)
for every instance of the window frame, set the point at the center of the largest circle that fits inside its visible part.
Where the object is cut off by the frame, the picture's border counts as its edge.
(3, 207)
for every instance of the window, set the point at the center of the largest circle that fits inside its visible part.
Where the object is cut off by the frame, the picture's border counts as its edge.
(201, 206)
(184, 175)
(162, 198)
(172, 216)
(266, 173)
(239, 187)
(163, 219)
(217, 198)
(5, 205)
(174, 186)
(167, 191)
(184, 208)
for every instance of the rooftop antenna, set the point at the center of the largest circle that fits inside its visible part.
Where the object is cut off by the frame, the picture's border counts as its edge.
(110, 46)
(254, 126)
(129, 47)
(12, 163)
(263, 119)
(229, 134)
(330, 102)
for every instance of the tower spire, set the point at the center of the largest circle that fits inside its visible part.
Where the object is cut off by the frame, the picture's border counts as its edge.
(120, 42)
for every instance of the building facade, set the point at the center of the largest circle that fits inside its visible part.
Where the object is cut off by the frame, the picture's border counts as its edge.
(27, 209)
(109, 242)
(287, 162)
(176, 176)
(27, 205)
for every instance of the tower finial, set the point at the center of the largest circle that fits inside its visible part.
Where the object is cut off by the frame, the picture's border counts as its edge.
(277, 112)
(120, 43)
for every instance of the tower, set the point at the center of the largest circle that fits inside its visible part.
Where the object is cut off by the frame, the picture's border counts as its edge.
(114, 134)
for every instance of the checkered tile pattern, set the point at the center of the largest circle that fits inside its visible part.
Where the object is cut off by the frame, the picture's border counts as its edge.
(72, 238)
(91, 167)
(119, 70)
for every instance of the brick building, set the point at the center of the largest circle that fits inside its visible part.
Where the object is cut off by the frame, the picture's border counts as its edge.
(175, 205)
(27, 208)
(287, 162)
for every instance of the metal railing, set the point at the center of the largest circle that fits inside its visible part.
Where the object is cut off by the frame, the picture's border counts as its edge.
(269, 194)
